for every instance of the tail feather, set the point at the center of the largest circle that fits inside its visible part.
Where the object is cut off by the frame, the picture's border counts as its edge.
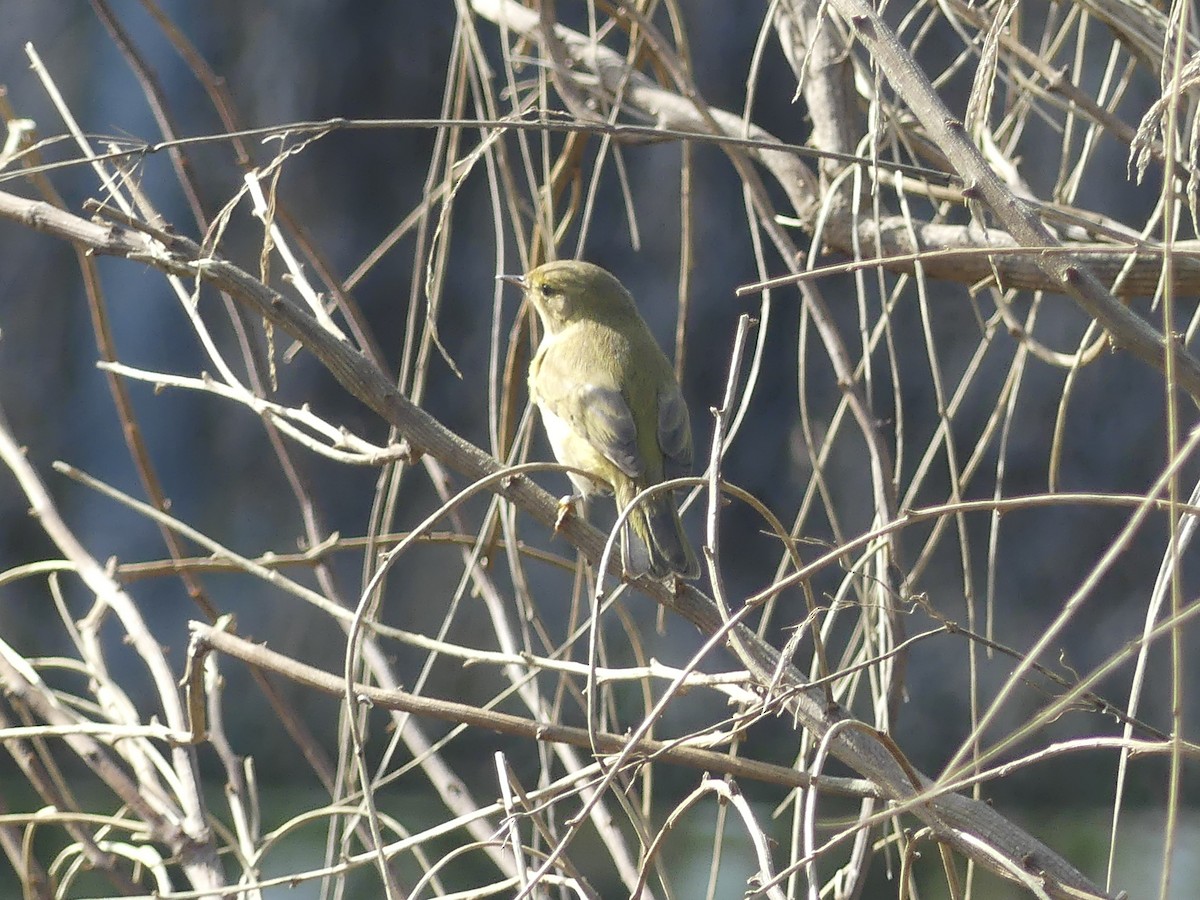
(653, 541)
(635, 555)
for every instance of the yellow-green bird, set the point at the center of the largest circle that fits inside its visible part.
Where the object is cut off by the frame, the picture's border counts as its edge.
(611, 406)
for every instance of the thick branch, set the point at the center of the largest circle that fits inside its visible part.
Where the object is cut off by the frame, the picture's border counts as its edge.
(971, 255)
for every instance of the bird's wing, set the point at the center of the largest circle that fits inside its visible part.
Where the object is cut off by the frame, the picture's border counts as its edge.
(596, 412)
(674, 433)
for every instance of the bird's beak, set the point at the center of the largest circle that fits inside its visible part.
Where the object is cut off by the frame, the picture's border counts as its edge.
(518, 280)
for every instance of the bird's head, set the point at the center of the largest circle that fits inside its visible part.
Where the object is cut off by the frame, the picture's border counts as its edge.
(568, 290)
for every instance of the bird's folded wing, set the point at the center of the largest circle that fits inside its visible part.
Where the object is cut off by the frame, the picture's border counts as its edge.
(674, 433)
(595, 412)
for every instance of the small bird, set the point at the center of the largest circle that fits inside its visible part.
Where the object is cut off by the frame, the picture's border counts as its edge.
(611, 407)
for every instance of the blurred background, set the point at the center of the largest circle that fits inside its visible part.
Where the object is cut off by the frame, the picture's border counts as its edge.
(310, 61)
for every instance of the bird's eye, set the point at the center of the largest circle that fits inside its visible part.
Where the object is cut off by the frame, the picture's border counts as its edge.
(549, 290)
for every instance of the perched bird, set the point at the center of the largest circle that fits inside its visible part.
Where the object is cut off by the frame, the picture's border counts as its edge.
(611, 406)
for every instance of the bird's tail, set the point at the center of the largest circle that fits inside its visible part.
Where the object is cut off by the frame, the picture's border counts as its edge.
(652, 541)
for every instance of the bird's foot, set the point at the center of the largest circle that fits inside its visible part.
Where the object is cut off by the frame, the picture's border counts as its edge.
(566, 509)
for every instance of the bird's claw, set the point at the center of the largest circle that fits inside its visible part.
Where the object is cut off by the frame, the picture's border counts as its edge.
(566, 509)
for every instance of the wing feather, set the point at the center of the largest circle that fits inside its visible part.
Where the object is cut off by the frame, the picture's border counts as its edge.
(674, 433)
(598, 413)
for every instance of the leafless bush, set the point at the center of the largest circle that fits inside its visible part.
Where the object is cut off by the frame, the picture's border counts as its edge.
(966, 178)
